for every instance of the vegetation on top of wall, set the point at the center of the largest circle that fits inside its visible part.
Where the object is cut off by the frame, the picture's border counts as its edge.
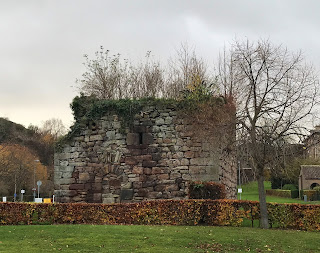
(88, 109)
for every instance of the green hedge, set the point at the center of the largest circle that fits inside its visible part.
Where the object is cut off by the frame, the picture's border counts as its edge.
(283, 193)
(295, 194)
(291, 187)
(279, 193)
(311, 195)
(162, 212)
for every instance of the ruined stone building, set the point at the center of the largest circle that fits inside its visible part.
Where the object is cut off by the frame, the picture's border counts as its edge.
(153, 154)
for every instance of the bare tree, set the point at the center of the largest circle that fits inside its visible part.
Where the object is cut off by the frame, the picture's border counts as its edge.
(111, 77)
(104, 76)
(54, 127)
(187, 71)
(275, 93)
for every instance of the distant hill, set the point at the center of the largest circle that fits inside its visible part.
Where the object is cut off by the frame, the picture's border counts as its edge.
(14, 133)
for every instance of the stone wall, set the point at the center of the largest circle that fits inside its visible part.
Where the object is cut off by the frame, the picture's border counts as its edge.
(153, 159)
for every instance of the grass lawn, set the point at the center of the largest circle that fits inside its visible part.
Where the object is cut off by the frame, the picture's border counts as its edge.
(250, 192)
(106, 238)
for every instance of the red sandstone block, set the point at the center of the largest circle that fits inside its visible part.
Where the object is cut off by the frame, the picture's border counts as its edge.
(143, 178)
(72, 193)
(142, 192)
(172, 187)
(167, 141)
(189, 154)
(137, 170)
(163, 176)
(143, 158)
(147, 171)
(115, 182)
(131, 160)
(136, 185)
(157, 170)
(149, 164)
(76, 187)
(135, 152)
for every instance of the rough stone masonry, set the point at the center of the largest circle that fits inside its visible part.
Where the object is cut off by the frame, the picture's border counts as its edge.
(155, 159)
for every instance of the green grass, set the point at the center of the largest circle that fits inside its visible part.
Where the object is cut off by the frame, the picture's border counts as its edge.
(250, 192)
(105, 238)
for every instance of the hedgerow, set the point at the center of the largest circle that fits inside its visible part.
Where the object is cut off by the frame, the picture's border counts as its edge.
(220, 212)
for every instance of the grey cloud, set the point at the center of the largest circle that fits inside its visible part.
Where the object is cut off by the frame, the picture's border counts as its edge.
(42, 41)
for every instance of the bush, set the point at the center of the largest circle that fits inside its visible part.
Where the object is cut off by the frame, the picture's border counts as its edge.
(221, 212)
(294, 194)
(283, 193)
(278, 182)
(279, 193)
(311, 194)
(206, 190)
(291, 187)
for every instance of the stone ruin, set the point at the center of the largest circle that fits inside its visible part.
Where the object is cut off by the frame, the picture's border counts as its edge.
(156, 158)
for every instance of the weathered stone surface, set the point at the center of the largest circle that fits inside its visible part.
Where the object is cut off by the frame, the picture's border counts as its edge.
(159, 121)
(156, 158)
(115, 182)
(131, 160)
(133, 139)
(126, 194)
(76, 187)
(95, 138)
(147, 138)
(108, 200)
(163, 176)
(143, 192)
(149, 163)
(137, 170)
(84, 176)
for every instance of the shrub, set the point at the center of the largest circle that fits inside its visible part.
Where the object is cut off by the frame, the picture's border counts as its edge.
(279, 193)
(311, 194)
(291, 187)
(277, 182)
(220, 212)
(295, 194)
(206, 190)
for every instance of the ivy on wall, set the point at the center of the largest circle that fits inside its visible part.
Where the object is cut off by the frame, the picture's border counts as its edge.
(88, 109)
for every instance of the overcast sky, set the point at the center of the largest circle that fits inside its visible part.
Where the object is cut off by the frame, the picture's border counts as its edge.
(42, 42)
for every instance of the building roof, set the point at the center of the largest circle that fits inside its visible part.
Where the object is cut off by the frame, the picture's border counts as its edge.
(310, 171)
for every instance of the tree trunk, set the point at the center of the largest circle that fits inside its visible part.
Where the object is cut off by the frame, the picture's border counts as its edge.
(263, 203)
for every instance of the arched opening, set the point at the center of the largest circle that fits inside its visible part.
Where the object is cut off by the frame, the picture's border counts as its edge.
(314, 185)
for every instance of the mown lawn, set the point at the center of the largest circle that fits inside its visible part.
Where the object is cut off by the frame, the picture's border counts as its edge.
(106, 238)
(250, 192)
